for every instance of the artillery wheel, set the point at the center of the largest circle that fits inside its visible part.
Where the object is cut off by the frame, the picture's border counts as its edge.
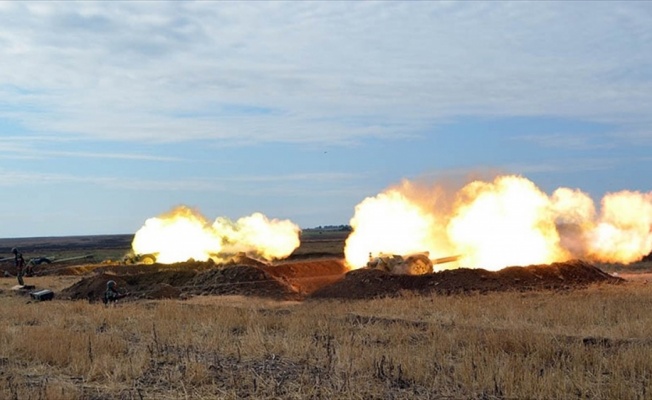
(148, 259)
(418, 264)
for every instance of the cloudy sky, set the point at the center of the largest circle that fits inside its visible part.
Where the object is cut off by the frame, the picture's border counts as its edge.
(111, 113)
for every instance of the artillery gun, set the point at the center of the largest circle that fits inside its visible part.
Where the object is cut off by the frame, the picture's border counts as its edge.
(132, 258)
(411, 264)
(32, 263)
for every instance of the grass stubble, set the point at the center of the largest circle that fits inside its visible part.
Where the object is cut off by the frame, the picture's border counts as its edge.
(584, 344)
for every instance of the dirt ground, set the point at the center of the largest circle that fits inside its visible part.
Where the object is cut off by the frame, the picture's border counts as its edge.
(315, 271)
(367, 283)
(319, 278)
(290, 281)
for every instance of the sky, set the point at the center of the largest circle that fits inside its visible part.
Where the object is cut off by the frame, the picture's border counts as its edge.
(112, 113)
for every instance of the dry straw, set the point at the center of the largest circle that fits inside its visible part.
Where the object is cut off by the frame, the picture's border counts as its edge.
(584, 344)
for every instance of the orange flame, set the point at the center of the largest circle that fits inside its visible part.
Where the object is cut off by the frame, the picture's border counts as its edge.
(184, 234)
(389, 223)
(508, 221)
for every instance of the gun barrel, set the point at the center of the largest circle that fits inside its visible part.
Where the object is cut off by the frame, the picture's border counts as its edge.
(444, 260)
(87, 256)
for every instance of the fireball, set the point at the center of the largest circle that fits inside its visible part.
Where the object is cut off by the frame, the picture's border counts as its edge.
(389, 223)
(624, 232)
(504, 222)
(178, 235)
(184, 234)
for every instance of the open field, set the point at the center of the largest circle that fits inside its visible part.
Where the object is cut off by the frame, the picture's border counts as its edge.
(579, 343)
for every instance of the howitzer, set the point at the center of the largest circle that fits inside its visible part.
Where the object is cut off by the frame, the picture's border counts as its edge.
(147, 259)
(411, 264)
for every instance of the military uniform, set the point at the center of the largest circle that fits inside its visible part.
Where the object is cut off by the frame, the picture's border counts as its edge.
(111, 295)
(20, 265)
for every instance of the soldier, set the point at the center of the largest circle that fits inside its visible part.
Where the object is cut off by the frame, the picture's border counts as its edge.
(20, 264)
(111, 295)
(29, 268)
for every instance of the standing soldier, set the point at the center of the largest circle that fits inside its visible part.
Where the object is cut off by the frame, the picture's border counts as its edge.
(20, 264)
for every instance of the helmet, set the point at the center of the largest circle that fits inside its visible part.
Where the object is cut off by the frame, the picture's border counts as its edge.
(14, 250)
(110, 284)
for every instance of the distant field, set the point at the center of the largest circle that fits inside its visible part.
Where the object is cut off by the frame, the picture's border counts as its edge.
(101, 247)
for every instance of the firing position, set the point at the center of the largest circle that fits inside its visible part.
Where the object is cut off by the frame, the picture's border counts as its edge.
(20, 265)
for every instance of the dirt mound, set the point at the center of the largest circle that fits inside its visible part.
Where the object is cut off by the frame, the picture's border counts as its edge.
(323, 278)
(92, 288)
(243, 259)
(242, 280)
(309, 276)
(175, 283)
(309, 268)
(163, 291)
(150, 285)
(125, 269)
(368, 283)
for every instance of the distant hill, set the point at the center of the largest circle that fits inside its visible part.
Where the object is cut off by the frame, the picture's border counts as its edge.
(82, 243)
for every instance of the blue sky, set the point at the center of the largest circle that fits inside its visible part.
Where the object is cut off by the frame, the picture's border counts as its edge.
(114, 113)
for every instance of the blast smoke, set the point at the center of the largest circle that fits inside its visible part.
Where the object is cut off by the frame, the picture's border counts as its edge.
(183, 233)
(502, 222)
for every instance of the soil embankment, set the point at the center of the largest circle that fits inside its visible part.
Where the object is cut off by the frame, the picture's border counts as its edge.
(367, 283)
(325, 278)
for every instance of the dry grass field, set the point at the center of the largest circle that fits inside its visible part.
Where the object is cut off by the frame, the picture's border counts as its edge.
(591, 343)
(584, 344)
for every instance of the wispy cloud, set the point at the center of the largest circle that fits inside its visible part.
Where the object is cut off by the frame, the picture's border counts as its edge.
(299, 72)
(29, 149)
(262, 184)
(574, 141)
(564, 166)
(550, 166)
(130, 106)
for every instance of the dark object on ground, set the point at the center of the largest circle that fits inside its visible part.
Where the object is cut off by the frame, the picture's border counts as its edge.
(42, 295)
(39, 261)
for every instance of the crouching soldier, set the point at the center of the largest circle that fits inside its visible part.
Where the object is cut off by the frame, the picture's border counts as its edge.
(111, 295)
(33, 262)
